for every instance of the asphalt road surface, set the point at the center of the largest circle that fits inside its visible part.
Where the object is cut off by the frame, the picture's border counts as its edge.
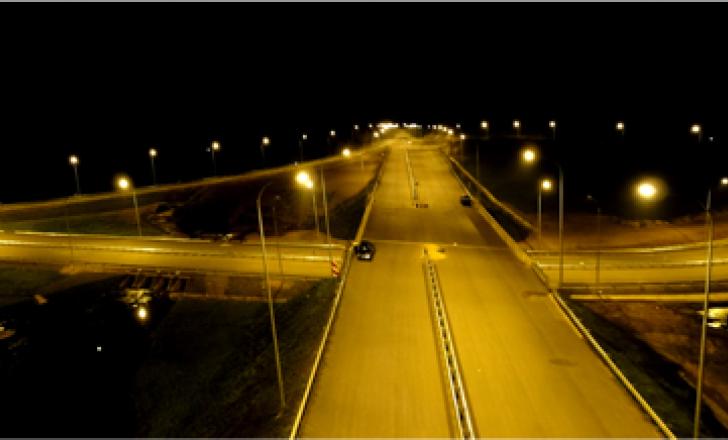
(167, 254)
(526, 371)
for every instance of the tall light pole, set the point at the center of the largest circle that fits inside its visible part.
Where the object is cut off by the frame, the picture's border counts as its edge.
(697, 130)
(529, 156)
(544, 185)
(304, 179)
(271, 311)
(326, 217)
(73, 160)
(332, 137)
(517, 126)
(598, 257)
(486, 129)
(462, 146)
(152, 156)
(215, 147)
(302, 139)
(706, 303)
(552, 126)
(125, 184)
(264, 142)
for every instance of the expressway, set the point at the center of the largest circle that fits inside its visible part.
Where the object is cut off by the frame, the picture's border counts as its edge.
(186, 255)
(526, 372)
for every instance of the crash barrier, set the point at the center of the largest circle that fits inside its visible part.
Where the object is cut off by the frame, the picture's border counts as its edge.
(448, 352)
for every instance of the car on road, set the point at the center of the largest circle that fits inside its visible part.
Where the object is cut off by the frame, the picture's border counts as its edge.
(465, 200)
(365, 250)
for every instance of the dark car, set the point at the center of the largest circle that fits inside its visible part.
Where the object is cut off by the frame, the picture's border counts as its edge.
(466, 200)
(364, 250)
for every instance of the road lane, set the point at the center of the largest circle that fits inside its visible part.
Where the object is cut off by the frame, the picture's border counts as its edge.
(526, 370)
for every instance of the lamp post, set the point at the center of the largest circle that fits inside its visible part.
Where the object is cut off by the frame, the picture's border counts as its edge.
(125, 184)
(544, 185)
(304, 179)
(152, 156)
(529, 156)
(706, 302)
(517, 126)
(301, 140)
(214, 148)
(552, 126)
(271, 311)
(598, 258)
(620, 128)
(462, 146)
(263, 145)
(326, 216)
(697, 130)
(73, 160)
(486, 128)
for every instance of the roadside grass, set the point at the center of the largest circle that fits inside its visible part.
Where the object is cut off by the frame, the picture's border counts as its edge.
(121, 222)
(211, 370)
(19, 281)
(656, 378)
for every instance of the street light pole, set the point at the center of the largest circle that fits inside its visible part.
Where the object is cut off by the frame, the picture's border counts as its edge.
(271, 311)
(599, 240)
(704, 326)
(124, 184)
(73, 160)
(152, 155)
(326, 217)
(561, 226)
(215, 147)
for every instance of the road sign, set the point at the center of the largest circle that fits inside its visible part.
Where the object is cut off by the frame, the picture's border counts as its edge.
(334, 269)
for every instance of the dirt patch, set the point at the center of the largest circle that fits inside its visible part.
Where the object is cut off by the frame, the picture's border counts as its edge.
(663, 340)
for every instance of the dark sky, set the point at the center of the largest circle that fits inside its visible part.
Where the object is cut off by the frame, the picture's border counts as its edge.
(109, 81)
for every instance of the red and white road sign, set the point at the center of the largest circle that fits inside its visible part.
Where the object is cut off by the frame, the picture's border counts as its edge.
(334, 269)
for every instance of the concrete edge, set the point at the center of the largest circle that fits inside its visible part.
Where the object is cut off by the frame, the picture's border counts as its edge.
(334, 308)
(522, 256)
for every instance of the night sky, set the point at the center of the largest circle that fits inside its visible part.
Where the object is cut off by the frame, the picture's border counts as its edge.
(109, 82)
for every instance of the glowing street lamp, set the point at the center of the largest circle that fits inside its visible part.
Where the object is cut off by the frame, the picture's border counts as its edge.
(620, 127)
(304, 137)
(552, 126)
(263, 144)
(152, 156)
(546, 186)
(332, 133)
(73, 160)
(697, 130)
(528, 155)
(517, 126)
(346, 152)
(646, 190)
(215, 147)
(484, 125)
(125, 184)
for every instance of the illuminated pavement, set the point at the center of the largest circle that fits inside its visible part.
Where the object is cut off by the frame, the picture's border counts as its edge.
(527, 372)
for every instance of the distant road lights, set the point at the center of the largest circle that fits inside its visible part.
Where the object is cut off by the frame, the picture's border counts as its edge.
(517, 126)
(304, 137)
(552, 124)
(332, 133)
(375, 134)
(265, 141)
(346, 152)
(724, 181)
(646, 190)
(125, 184)
(73, 160)
(152, 156)
(462, 137)
(620, 127)
(450, 132)
(484, 125)
(370, 125)
(457, 126)
(528, 155)
(356, 127)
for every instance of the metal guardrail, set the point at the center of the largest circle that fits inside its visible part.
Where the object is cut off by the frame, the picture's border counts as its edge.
(463, 418)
